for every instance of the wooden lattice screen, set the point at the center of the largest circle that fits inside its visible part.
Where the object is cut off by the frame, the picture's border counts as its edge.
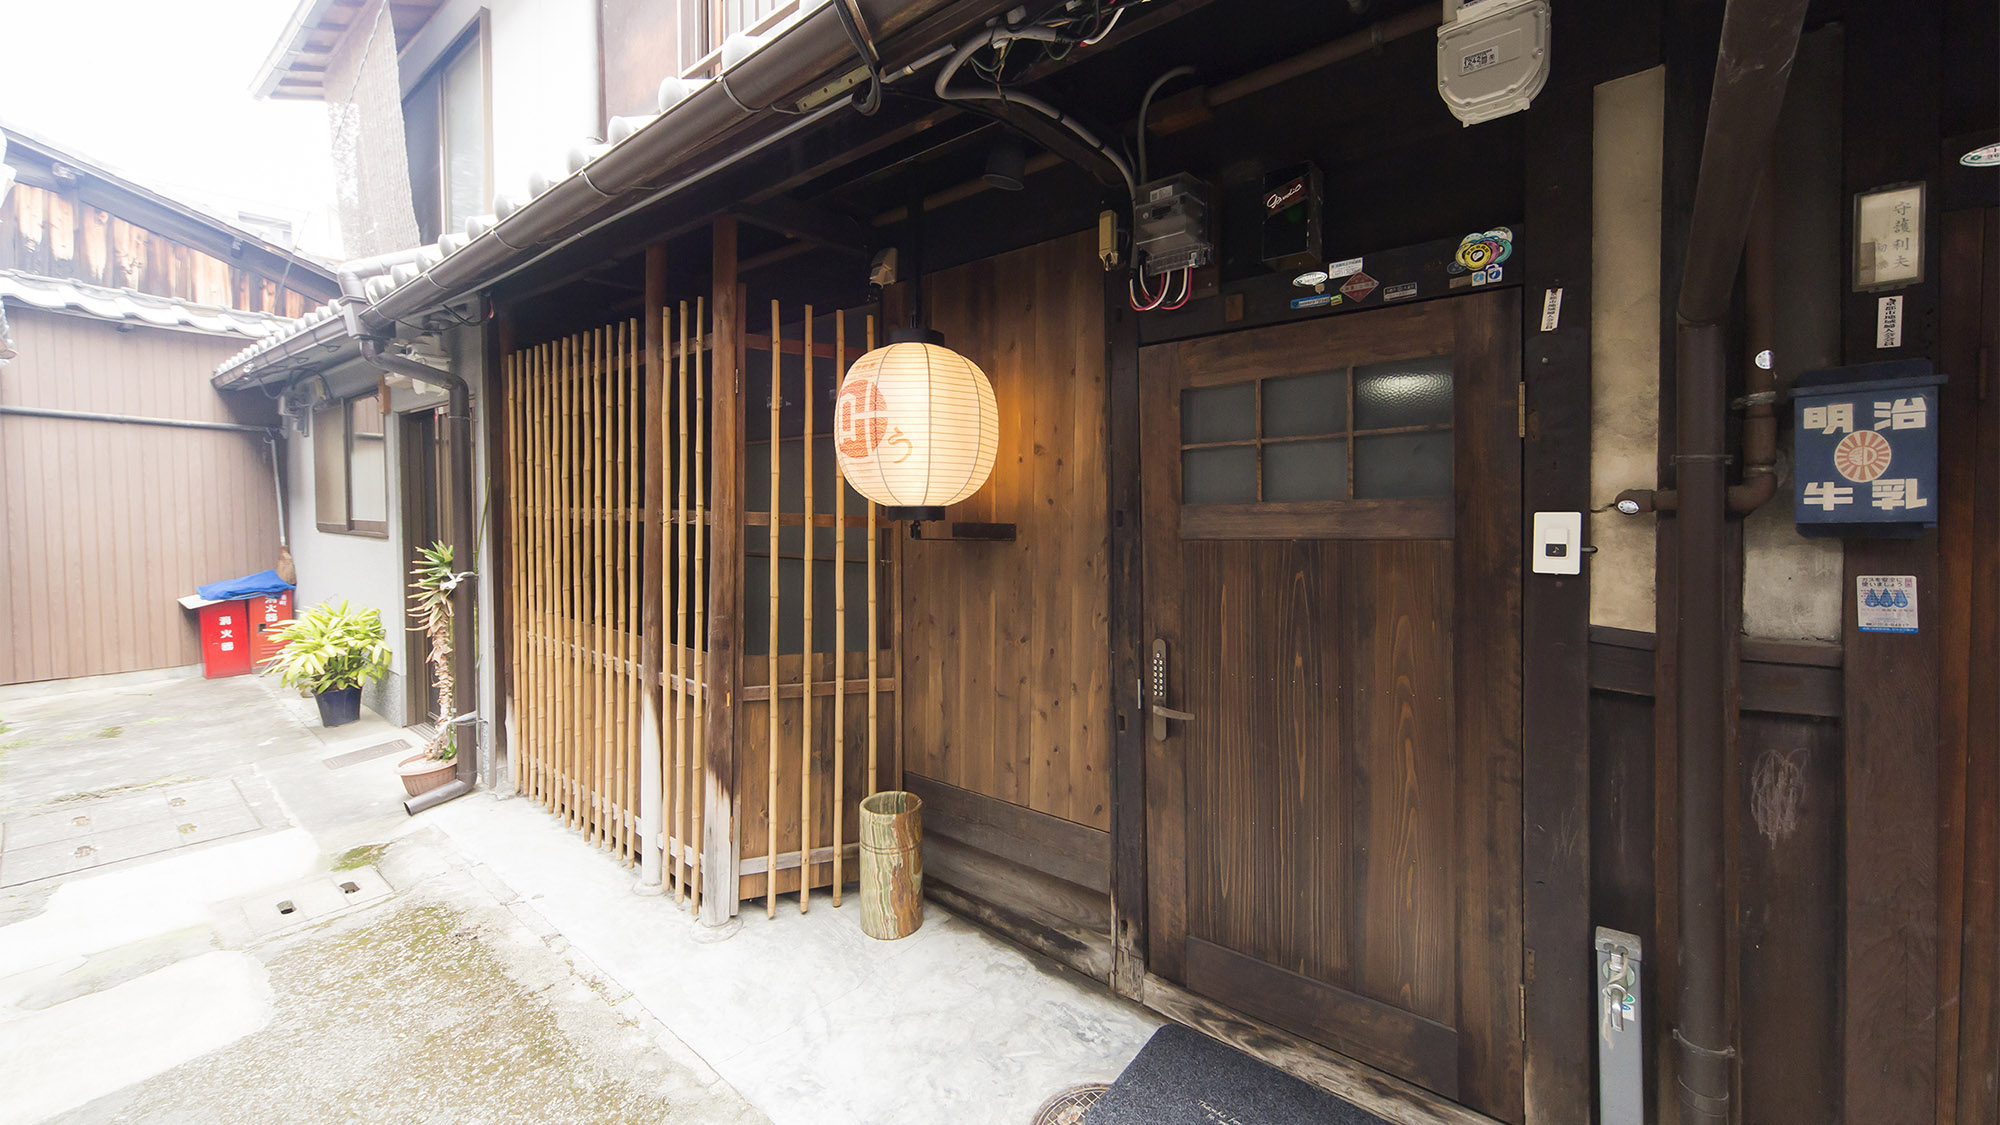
(812, 601)
(576, 476)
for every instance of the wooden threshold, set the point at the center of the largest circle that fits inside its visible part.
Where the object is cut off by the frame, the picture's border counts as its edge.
(1355, 1025)
(1386, 1096)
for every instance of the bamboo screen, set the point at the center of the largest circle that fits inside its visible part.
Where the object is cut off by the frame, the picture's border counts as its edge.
(816, 621)
(576, 473)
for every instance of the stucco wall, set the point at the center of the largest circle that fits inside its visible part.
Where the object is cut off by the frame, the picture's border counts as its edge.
(361, 569)
(1625, 343)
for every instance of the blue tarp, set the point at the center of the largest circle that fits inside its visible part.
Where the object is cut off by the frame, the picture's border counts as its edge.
(250, 585)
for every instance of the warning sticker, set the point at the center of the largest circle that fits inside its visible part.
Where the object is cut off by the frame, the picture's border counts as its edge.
(1358, 286)
(1399, 292)
(1885, 603)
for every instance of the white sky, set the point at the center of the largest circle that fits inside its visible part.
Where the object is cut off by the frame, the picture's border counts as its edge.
(159, 91)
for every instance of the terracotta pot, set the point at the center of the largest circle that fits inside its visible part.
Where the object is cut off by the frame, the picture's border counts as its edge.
(421, 775)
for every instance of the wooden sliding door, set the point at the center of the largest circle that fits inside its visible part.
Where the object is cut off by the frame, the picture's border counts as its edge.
(1332, 526)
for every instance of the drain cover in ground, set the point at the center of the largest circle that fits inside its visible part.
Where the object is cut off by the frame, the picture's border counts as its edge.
(1070, 1106)
(1185, 1078)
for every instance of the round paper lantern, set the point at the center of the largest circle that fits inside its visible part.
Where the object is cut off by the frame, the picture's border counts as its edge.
(915, 426)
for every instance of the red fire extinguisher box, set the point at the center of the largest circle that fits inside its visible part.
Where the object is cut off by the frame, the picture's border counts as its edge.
(225, 639)
(267, 612)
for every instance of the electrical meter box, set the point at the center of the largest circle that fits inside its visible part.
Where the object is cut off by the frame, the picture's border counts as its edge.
(1170, 225)
(1493, 58)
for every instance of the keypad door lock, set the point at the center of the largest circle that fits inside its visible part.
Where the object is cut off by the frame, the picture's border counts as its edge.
(1157, 673)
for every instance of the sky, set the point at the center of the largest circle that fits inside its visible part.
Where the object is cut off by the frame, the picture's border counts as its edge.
(159, 92)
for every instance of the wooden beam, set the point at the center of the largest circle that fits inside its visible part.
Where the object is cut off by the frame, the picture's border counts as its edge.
(1127, 637)
(725, 590)
(1558, 989)
(1072, 852)
(808, 223)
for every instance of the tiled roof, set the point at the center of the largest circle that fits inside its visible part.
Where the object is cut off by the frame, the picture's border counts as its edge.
(131, 305)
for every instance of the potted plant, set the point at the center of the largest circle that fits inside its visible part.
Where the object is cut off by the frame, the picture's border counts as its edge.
(430, 607)
(332, 651)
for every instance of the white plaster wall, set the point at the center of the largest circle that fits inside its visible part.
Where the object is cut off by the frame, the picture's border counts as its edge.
(1625, 343)
(365, 571)
(544, 86)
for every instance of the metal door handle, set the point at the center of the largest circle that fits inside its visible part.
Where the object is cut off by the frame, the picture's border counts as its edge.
(1161, 712)
(1170, 713)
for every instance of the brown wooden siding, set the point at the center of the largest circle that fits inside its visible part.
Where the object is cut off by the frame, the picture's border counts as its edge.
(103, 525)
(1006, 647)
(56, 235)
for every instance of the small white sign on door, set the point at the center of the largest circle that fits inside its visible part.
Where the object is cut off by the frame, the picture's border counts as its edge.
(1886, 603)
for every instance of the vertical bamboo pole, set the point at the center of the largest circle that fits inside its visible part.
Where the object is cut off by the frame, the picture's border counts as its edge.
(874, 624)
(771, 655)
(545, 593)
(683, 576)
(589, 584)
(510, 402)
(629, 505)
(811, 539)
(575, 467)
(700, 701)
(600, 724)
(559, 478)
(839, 609)
(538, 593)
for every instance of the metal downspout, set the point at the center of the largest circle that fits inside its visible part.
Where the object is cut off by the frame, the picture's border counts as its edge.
(465, 638)
(1759, 41)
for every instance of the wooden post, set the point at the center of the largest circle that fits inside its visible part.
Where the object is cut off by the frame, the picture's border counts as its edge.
(811, 540)
(725, 590)
(681, 545)
(652, 568)
(630, 717)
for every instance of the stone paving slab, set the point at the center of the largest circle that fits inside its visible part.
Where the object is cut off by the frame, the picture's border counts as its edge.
(92, 832)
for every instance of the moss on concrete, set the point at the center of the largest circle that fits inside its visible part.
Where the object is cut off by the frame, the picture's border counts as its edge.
(367, 855)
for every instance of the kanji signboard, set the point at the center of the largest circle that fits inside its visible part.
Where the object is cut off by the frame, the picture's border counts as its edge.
(1867, 450)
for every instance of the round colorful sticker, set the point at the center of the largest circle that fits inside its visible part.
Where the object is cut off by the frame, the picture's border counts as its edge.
(1482, 249)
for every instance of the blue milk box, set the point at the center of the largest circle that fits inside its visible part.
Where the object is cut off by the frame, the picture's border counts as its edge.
(1866, 450)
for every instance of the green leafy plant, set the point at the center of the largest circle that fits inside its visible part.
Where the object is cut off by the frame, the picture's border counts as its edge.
(331, 647)
(430, 603)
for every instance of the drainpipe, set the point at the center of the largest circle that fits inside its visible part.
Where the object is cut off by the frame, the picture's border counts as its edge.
(1759, 440)
(1753, 65)
(465, 637)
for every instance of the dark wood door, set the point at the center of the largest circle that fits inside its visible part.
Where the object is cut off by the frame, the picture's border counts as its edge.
(1333, 557)
(426, 487)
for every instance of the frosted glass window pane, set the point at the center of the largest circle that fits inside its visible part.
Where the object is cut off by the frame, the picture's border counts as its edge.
(463, 95)
(1305, 404)
(1219, 476)
(1219, 414)
(1411, 392)
(1396, 466)
(368, 464)
(1305, 470)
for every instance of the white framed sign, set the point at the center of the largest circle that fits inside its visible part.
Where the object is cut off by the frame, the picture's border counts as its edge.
(1889, 237)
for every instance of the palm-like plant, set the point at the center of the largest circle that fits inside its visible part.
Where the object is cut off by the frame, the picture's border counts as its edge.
(331, 647)
(430, 601)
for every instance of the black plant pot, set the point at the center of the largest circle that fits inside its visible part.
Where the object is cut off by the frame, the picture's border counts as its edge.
(339, 706)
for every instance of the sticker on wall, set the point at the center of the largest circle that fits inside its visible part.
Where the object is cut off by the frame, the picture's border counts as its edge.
(1317, 300)
(1344, 268)
(1357, 287)
(1885, 603)
(1889, 322)
(1482, 249)
(1400, 292)
(1552, 309)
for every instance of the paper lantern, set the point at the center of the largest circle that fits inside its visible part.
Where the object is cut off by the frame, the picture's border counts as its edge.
(915, 426)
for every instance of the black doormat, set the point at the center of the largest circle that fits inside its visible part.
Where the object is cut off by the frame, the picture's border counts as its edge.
(1183, 1077)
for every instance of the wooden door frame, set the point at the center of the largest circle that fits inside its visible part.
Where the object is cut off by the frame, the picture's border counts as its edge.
(419, 454)
(1134, 975)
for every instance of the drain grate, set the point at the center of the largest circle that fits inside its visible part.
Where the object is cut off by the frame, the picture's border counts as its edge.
(1071, 1106)
(365, 754)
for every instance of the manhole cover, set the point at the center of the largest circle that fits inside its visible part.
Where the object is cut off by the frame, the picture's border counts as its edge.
(1070, 1106)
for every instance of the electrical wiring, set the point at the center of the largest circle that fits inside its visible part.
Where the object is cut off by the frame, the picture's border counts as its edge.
(1187, 290)
(999, 36)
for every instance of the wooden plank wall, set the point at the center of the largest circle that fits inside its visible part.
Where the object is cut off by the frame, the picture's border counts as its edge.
(103, 525)
(575, 468)
(56, 235)
(1006, 645)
